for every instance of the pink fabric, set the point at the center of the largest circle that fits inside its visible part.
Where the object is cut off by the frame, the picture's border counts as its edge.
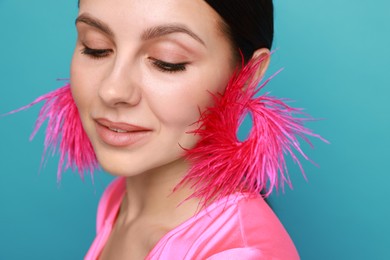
(235, 227)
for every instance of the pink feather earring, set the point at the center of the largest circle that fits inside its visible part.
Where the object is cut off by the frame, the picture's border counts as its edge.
(64, 132)
(221, 164)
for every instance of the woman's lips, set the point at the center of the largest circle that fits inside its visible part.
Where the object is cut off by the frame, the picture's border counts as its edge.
(119, 134)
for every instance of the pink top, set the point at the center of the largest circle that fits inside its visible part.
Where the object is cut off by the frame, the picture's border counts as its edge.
(236, 227)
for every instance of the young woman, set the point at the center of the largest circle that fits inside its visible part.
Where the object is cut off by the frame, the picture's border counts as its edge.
(157, 92)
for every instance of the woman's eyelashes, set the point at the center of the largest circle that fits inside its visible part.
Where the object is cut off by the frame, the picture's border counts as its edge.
(158, 64)
(167, 66)
(96, 53)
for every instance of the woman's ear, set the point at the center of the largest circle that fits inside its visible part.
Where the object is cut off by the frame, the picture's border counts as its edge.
(263, 54)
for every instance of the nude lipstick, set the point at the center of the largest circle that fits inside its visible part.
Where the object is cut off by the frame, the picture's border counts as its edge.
(119, 134)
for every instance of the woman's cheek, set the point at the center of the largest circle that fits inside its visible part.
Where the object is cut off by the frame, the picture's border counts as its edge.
(83, 77)
(81, 87)
(178, 104)
(74, 83)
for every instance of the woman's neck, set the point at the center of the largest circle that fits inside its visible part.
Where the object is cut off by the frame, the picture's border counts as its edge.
(150, 195)
(149, 210)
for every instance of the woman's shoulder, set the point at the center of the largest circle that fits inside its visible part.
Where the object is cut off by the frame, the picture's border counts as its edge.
(255, 215)
(254, 220)
(257, 231)
(261, 229)
(237, 225)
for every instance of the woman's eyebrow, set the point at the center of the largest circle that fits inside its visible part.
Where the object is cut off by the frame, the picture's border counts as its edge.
(162, 30)
(84, 18)
(151, 33)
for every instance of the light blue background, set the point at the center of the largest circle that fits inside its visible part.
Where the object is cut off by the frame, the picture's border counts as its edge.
(336, 56)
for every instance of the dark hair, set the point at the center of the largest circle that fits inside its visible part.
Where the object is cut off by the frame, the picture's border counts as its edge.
(250, 23)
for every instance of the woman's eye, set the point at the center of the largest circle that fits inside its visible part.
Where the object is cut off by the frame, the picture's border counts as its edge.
(167, 66)
(96, 53)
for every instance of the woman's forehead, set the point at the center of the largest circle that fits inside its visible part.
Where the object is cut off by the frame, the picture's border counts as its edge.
(195, 11)
(136, 17)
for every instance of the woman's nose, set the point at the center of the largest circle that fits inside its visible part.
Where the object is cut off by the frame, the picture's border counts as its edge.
(120, 87)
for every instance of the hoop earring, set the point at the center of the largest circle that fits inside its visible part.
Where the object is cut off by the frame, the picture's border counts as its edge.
(221, 165)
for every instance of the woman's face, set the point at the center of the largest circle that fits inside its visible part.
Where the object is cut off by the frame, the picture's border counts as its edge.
(141, 73)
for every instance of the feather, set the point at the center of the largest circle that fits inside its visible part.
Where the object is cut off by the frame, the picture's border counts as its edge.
(64, 132)
(220, 164)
